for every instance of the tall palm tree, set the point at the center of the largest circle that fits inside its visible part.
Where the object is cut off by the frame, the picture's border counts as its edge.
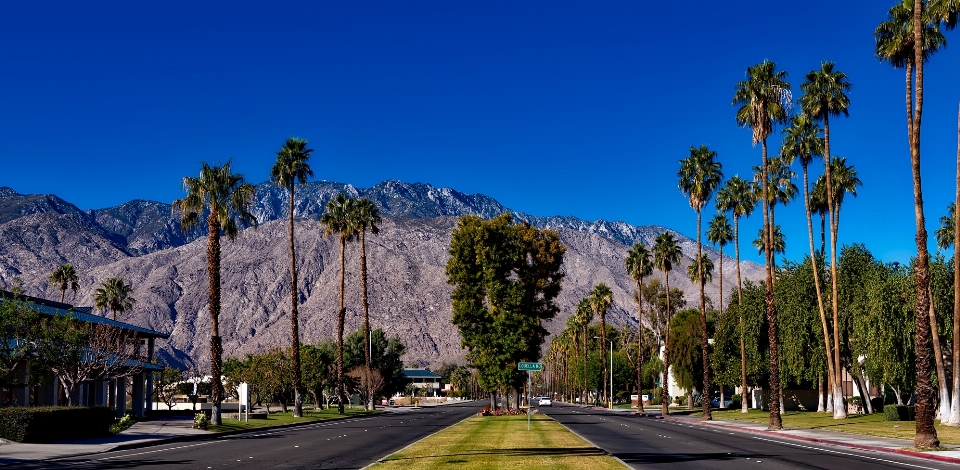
(738, 196)
(601, 297)
(897, 41)
(700, 176)
(779, 242)
(946, 12)
(719, 233)
(639, 264)
(696, 274)
(226, 197)
(948, 228)
(666, 253)
(337, 220)
(114, 294)
(65, 277)
(763, 100)
(818, 205)
(803, 141)
(366, 216)
(825, 95)
(291, 168)
(584, 316)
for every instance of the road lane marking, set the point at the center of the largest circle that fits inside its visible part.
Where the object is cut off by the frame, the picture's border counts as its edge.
(850, 454)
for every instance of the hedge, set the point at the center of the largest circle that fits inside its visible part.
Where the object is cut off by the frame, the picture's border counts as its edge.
(899, 413)
(55, 423)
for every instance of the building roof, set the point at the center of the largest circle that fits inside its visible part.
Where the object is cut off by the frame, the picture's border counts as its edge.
(419, 374)
(50, 307)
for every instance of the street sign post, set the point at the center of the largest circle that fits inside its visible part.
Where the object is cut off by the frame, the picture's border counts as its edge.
(529, 367)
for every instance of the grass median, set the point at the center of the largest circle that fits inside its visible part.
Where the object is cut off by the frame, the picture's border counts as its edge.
(502, 442)
(229, 421)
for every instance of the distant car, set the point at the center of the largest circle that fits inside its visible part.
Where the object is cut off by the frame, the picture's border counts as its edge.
(546, 401)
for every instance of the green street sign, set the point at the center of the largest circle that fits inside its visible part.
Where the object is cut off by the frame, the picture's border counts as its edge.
(530, 366)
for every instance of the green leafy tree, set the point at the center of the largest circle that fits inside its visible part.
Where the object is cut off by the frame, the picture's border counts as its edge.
(21, 335)
(700, 176)
(763, 99)
(226, 197)
(386, 356)
(165, 383)
(687, 360)
(290, 168)
(666, 253)
(505, 277)
(639, 264)
(338, 221)
(65, 277)
(115, 295)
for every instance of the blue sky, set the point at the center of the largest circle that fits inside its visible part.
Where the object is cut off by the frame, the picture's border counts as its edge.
(553, 108)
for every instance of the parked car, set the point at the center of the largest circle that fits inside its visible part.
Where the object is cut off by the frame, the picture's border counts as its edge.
(546, 401)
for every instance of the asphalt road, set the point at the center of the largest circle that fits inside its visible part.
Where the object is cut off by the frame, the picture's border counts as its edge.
(352, 443)
(654, 443)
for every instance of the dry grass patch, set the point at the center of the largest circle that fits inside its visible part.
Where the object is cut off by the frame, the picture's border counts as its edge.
(483, 442)
(870, 425)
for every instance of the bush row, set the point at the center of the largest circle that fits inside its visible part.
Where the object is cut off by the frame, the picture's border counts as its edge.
(55, 423)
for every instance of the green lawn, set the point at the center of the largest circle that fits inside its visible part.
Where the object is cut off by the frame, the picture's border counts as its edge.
(483, 442)
(871, 425)
(229, 420)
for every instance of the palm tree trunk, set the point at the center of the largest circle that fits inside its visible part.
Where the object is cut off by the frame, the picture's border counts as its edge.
(820, 396)
(665, 383)
(926, 434)
(707, 416)
(216, 346)
(366, 304)
(744, 407)
(603, 343)
(945, 403)
(954, 419)
(640, 345)
(721, 282)
(294, 321)
(341, 392)
(772, 335)
(816, 282)
(839, 411)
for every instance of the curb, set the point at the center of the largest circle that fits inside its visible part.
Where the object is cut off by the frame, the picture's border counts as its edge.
(911, 453)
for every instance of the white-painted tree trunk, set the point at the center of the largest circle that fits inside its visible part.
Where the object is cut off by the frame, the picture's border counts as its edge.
(839, 410)
(820, 395)
(953, 416)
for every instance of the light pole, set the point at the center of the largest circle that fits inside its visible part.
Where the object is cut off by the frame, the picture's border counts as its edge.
(610, 397)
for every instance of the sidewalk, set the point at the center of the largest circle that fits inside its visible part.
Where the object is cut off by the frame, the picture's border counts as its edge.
(140, 434)
(834, 438)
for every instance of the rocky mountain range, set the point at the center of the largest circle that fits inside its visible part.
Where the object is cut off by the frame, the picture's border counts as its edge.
(142, 242)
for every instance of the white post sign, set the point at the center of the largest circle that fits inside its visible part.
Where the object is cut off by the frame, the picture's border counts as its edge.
(244, 406)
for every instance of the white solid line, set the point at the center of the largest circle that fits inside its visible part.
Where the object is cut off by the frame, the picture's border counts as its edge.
(844, 453)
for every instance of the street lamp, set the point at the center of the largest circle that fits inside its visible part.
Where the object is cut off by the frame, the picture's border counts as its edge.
(609, 398)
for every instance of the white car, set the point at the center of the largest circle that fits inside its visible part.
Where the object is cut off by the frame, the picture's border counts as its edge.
(546, 401)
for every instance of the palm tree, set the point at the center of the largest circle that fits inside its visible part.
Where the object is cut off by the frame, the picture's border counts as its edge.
(763, 100)
(694, 272)
(65, 277)
(337, 220)
(600, 300)
(825, 95)
(699, 176)
(946, 12)
(639, 264)
(779, 242)
(719, 233)
(948, 228)
(114, 294)
(584, 316)
(738, 196)
(226, 197)
(802, 141)
(908, 24)
(665, 254)
(366, 216)
(818, 205)
(290, 168)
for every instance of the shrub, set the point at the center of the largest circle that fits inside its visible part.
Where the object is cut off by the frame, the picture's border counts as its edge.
(55, 423)
(856, 402)
(201, 421)
(899, 413)
(122, 424)
(735, 401)
(876, 403)
(680, 399)
(655, 396)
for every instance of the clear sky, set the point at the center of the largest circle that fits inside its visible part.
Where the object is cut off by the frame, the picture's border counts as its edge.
(553, 108)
